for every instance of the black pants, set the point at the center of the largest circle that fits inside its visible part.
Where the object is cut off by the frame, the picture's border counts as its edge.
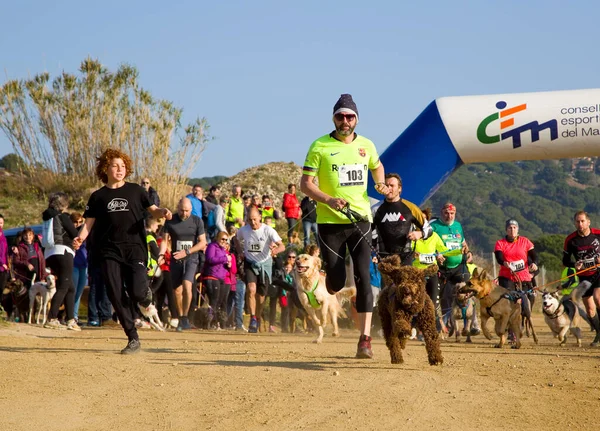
(334, 239)
(126, 285)
(99, 307)
(62, 268)
(218, 292)
(162, 287)
(292, 222)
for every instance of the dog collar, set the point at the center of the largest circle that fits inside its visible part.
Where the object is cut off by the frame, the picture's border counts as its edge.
(312, 299)
(556, 314)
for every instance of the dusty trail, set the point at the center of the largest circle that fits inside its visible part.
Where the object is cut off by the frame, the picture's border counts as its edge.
(55, 380)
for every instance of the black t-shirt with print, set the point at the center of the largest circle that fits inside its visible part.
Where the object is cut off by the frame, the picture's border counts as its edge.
(119, 230)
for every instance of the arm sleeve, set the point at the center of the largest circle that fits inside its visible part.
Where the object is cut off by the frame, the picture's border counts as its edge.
(219, 217)
(154, 249)
(566, 260)
(532, 255)
(499, 257)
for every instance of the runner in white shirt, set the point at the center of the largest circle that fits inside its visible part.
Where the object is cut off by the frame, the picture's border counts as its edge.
(260, 243)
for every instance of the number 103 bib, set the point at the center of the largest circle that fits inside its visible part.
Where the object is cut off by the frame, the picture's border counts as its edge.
(352, 175)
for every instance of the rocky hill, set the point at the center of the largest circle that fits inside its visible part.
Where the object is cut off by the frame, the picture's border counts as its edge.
(271, 178)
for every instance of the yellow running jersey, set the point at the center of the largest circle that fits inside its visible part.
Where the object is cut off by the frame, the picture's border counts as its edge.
(343, 172)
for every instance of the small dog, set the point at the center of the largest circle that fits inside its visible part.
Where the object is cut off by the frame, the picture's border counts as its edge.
(561, 316)
(463, 308)
(403, 299)
(44, 290)
(502, 305)
(314, 296)
(20, 299)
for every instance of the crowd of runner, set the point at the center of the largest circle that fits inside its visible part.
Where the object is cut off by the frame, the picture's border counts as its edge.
(216, 260)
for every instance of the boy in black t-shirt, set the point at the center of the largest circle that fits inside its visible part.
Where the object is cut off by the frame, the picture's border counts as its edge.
(116, 212)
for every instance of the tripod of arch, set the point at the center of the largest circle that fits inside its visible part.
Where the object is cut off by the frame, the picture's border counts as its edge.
(453, 131)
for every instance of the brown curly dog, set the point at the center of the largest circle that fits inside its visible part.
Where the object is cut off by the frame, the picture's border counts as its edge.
(403, 299)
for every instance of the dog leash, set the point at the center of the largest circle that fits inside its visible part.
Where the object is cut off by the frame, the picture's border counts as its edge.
(569, 276)
(356, 218)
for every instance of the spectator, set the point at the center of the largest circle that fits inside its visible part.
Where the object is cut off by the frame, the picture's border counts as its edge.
(28, 260)
(213, 195)
(196, 198)
(254, 204)
(3, 255)
(216, 269)
(80, 267)
(99, 306)
(268, 210)
(308, 206)
(234, 214)
(152, 193)
(162, 284)
(59, 257)
(220, 215)
(236, 249)
(291, 207)
(231, 285)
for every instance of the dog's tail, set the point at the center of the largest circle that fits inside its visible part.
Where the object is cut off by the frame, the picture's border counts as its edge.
(342, 297)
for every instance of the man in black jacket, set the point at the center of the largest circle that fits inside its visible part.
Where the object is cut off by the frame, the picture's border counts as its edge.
(152, 193)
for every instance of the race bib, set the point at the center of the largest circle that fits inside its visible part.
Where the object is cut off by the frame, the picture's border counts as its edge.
(427, 259)
(589, 262)
(254, 248)
(352, 175)
(517, 266)
(183, 245)
(453, 245)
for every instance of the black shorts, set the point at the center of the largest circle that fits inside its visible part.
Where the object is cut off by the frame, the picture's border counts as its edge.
(594, 281)
(251, 277)
(183, 270)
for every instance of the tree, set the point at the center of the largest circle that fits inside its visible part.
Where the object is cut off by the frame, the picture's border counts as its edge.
(12, 162)
(61, 126)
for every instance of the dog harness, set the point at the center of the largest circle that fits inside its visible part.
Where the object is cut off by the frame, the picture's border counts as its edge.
(311, 296)
(511, 296)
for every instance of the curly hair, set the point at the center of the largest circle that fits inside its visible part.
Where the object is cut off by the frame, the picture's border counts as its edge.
(106, 158)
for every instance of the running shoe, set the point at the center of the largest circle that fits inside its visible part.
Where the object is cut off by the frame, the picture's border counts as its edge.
(73, 326)
(133, 346)
(596, 341)
(364, 350)
(95, 323)
(174, 323)
(272, 329)
(253, 327)
(241, 328)
(54, 324)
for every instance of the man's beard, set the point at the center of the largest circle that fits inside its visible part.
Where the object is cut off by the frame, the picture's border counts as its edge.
(344, 132)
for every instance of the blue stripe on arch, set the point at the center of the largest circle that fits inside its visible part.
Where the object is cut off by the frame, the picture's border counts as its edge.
(423, 155)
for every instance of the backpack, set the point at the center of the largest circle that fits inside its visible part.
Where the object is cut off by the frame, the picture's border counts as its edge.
(48, 232)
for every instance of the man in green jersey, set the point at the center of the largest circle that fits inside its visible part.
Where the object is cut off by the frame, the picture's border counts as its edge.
(453, 268)
(341, 160)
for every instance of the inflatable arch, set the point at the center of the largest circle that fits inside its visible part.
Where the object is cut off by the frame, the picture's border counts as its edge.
(453, 131)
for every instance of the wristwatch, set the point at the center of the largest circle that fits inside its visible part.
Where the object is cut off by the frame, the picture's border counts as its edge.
(187, 251)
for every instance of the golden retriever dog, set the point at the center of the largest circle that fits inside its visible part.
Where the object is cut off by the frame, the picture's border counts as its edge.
(496, 302)
(315, 299)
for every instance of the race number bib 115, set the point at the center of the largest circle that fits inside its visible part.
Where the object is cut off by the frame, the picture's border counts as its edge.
(183, 245)
(254, 248)
(517, 266)
(352, 175)
(453, 245)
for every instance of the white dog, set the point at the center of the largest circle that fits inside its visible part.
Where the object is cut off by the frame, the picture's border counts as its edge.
(45, 290)
(561, 316)
(315, 299)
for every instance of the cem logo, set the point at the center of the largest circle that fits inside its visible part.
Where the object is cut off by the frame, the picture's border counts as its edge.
(507, 121)
(117, 204)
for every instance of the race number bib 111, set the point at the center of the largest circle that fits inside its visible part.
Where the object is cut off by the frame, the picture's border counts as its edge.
(517, 266)
(352, 175)
(427, 259)
(183, 245)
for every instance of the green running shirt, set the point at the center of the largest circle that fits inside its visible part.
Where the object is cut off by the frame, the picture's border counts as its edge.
(342, 170)
(453, 238)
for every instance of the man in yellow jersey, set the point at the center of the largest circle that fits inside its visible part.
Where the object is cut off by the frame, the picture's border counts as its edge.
(341, 160)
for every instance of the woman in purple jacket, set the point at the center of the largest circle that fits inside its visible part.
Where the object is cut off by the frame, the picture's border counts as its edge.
(3, 255)
(216, 268)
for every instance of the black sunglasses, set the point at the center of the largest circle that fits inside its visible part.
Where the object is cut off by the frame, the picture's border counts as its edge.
(291, 257)
(348, 117)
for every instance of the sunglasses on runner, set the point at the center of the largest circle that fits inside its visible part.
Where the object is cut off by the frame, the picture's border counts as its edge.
(347, 117)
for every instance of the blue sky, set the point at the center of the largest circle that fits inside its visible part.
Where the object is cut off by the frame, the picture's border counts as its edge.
(266, 74)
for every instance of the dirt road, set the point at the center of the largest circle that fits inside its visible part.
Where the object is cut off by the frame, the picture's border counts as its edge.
(201, 380)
